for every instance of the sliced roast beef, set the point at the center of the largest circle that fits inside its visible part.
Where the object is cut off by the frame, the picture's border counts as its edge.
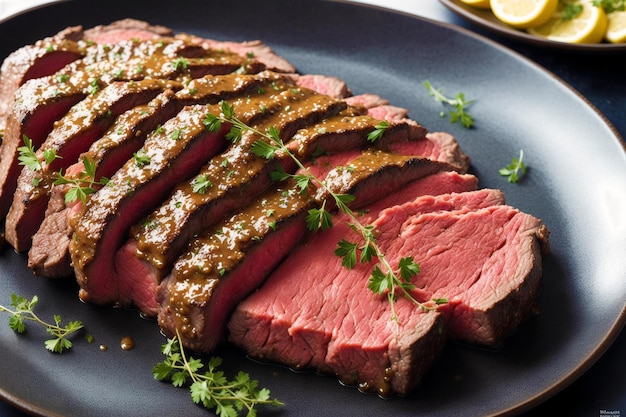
(125, 29)
(162, 236)
(125, 137)
(42, 101)
(169, 156)
(43, 58)
(252, 49)
(323, 316)
(236, 177)
(313, 313)
(50, 55)
(197, 301)
(72, 135)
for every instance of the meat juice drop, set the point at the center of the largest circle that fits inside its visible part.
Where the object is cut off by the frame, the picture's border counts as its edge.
(127, 343)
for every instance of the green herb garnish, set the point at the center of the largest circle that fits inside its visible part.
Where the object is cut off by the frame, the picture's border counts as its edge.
(610, 6)
(83, 185)
(201, 184)
(142, 158)
(459, 103)
(28, 157)
(515, 170)
(180, 63)
(208, 386)
(23, 313)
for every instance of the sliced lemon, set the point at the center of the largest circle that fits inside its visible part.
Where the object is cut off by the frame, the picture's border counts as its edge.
(524, 13)
(588, 27)
(616, 30)
(481, 4)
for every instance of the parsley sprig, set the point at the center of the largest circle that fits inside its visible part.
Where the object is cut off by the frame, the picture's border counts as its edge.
(28, 157)
(80, 187)
(515, 170)
(459, 104)
(211, 388)
(384, 279)
(23, 312)
(83, 185)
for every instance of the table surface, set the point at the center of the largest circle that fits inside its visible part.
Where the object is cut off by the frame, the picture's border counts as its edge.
(601, 391)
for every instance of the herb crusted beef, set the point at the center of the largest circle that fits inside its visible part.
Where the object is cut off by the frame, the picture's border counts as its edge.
(188, 221)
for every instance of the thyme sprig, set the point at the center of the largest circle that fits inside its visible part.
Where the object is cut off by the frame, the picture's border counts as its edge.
(210, 388)
(24, 312)
(384, 278)
(459, 104)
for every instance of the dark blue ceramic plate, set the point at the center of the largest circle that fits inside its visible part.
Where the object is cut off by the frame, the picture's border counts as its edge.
(575, 184)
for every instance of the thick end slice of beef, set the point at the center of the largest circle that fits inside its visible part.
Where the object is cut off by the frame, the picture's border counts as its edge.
(487, 263)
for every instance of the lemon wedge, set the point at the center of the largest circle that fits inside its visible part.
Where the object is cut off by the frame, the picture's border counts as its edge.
(588, 27)
(481, 4)
(616, 30)
(524, 13)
